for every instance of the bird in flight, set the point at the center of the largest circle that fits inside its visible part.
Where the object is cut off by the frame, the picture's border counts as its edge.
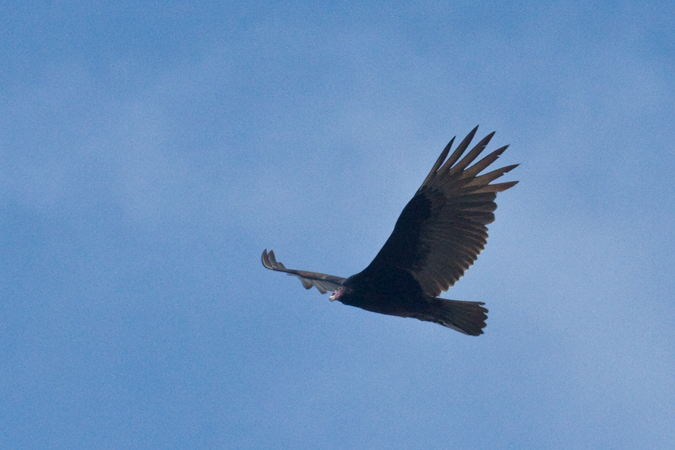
(435, 240)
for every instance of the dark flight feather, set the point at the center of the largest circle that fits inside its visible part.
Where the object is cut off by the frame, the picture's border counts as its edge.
(437, 237)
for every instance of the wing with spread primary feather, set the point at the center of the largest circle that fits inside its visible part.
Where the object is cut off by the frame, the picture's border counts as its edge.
(443, 228)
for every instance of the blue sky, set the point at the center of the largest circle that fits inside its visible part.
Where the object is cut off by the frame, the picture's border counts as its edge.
(149, 152)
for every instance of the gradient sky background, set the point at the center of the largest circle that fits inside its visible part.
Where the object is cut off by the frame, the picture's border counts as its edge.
(149, 152)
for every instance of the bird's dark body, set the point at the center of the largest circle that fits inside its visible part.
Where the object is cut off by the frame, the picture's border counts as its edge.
(437, 237)
(385, 286)
(402, 296)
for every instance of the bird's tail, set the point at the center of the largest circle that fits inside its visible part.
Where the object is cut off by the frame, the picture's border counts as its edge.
(465, 317)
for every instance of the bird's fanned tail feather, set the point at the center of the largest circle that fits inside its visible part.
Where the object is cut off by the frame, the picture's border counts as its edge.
(465, 317)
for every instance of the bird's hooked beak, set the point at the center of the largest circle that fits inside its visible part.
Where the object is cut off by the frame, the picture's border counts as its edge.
(337, 294)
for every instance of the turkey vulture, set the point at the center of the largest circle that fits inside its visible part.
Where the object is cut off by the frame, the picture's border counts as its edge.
(437, 237)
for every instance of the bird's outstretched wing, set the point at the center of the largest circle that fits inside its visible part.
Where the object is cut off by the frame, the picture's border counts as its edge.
(321, 281)
(442, 229)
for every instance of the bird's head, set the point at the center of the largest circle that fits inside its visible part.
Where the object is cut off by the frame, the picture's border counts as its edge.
(338, 293)
(349, 291)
